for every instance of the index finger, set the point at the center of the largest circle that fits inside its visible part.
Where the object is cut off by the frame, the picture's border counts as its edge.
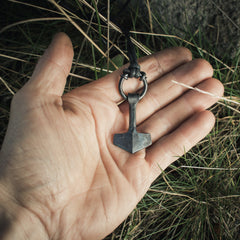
(155, 66)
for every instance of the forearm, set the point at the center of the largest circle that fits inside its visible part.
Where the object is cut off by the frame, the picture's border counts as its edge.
(16, 222)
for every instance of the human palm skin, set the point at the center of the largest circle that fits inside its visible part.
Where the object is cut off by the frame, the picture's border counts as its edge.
(59, 166)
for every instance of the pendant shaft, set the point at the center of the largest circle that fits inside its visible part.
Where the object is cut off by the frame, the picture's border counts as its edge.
(132, 141)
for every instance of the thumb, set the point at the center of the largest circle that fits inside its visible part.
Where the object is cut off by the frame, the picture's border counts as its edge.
(50, 74)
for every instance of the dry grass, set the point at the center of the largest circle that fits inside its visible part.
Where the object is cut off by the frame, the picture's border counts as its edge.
(198, 197)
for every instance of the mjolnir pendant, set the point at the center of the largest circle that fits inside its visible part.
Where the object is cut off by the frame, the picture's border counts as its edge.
(132, 141)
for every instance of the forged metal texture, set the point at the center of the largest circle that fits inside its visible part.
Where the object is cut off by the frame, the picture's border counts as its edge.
(132, 141)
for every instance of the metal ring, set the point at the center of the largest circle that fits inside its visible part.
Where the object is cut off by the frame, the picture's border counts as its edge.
(143, 78)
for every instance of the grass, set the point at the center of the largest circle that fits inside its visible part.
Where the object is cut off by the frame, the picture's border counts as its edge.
(198, 197)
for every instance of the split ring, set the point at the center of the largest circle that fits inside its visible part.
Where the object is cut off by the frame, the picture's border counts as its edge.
(142, 78)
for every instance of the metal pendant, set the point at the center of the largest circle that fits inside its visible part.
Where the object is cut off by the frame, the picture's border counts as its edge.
(132, 141)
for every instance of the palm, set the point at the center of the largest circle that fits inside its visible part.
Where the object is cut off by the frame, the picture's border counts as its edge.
(76, 171)
(114, 180)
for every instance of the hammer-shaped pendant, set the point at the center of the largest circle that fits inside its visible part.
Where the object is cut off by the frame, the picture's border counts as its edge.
(132, 141)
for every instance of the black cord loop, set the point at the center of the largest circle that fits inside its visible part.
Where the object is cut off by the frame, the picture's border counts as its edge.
(133, 71)
(122, 18)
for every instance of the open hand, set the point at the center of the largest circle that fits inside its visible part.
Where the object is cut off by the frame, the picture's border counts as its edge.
(58, 156)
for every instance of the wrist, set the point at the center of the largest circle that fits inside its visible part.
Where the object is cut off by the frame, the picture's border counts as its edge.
(17, 222)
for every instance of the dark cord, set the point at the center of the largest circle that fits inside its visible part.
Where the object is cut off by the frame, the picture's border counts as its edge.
(134, 68)
(121, 16)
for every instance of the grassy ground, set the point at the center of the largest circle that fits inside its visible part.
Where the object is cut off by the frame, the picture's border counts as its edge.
(198, 197)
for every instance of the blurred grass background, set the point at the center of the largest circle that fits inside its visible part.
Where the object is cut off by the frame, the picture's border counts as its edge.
(198, 197)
